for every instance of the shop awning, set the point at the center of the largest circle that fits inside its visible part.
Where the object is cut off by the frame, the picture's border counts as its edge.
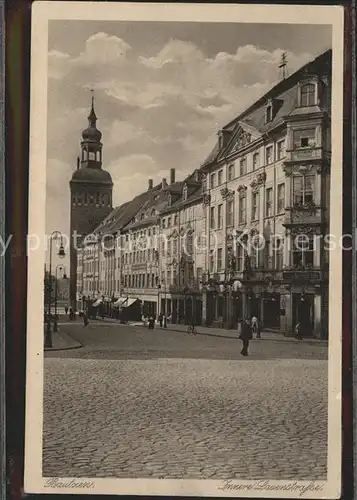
(129, 302)
(97, 303)
(120, 302)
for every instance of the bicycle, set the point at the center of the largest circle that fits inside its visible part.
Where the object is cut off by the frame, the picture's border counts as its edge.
(192, 329)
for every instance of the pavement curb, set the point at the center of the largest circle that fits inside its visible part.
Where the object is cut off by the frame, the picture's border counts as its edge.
(283, 339)
(71, 343)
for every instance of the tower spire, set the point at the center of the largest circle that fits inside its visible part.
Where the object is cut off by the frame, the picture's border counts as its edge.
(92, 118)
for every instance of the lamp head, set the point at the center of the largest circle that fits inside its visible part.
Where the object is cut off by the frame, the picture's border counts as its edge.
(61, 252)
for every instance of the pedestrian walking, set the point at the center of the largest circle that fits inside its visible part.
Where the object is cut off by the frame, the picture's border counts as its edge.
(70, 314)
(254, 325)
(66, 310)
(161, 318)
(151, 323)
(239, 328)
(191, 327)
(298, 331)
(85, 319)
(259, 329)
(246, 336)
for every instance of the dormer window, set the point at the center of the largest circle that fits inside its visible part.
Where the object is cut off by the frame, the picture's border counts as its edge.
(184, 193)
(142, 216)
(153, 212)
(308, 94)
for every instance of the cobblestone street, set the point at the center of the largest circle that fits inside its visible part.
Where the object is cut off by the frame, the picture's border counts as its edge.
(135, 403)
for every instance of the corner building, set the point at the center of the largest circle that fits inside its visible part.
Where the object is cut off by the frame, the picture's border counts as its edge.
(266, 196)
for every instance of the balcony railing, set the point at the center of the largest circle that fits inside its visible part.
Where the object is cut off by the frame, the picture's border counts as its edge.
(138, 291)
(184, 289)
(303, 154)
(304, 214)
(307, 275)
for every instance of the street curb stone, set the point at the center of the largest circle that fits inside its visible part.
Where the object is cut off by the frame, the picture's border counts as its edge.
(70, 342)
(235, 337)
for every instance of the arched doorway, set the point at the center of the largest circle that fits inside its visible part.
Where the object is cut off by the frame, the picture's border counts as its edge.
(271, 311)
(303, 312)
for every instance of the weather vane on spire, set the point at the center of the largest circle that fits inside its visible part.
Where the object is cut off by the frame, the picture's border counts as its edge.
(92, 92)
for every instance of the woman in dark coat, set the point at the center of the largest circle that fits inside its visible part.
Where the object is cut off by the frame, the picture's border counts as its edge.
(85, 319)
(151, 323)
(245, 336)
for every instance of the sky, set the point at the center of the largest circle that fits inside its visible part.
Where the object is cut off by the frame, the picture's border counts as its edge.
(162, 91)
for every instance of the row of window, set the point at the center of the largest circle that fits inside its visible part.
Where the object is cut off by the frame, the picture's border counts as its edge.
(91, 155)
(268, 258)
(216, 213)
(218, 178)
(302, 139)
(303, 192)
(98, 199)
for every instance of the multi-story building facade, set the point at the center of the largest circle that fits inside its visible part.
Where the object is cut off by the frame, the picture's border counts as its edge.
(182, 253)
(241, 236)
(267, 208)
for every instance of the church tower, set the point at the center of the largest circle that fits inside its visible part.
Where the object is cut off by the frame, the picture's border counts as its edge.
(91, 190)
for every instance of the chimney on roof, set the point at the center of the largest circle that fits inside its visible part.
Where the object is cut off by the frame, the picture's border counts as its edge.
(150, 186)
(164, 183)
(172, 175)
(223, 138)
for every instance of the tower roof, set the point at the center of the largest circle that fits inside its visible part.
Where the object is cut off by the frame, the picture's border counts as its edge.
(92, 175)
(91, 133)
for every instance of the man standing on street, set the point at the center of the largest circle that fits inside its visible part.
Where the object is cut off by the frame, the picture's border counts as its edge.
(246, 336)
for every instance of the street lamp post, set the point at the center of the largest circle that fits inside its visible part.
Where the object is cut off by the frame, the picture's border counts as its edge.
(165, 315)
(59, 266)
(61, 254)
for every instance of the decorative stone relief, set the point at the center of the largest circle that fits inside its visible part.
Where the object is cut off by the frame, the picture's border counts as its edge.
(241, 188)
(227, 193)
(206, 199)
(242, 139)
(304, 229)
(261, 178)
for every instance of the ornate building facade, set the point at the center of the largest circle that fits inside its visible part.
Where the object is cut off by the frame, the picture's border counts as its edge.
(242, 235)
(267, 205)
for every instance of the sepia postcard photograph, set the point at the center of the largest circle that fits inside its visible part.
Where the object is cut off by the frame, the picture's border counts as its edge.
(185, 250)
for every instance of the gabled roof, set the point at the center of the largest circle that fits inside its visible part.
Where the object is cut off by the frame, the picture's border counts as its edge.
(194, 191)
(284, 96)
